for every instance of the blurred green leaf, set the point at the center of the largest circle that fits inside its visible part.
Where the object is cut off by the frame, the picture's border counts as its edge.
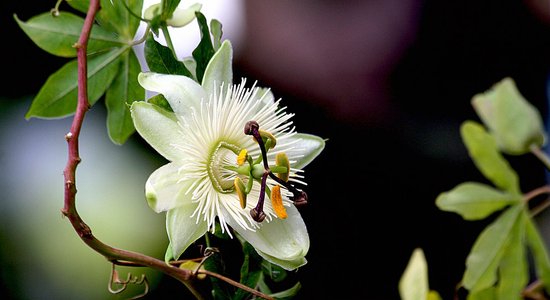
(434, 295)
(413, 284)
(58, 96)
(121, 17)
(474, 201)
(160, 59)
(124, 90)
(511, 119)
(57, 35)
(251, 271)
(484, 258)
(204, 51)
(486, 294)
(513, 269)
(484, 152)
(537, 246)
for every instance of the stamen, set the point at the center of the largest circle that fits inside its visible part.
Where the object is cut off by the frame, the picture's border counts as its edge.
(277, 202)
(282, 160)
(269, 136)
(242, 157)
(240, 188)
(299, 197)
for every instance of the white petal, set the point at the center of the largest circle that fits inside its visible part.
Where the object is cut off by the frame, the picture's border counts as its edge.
(219, 69)
(305, 149)
(181, 92)
(183, 16)
(284, 242)
(165, 190)
(182, 229)
(158, 127)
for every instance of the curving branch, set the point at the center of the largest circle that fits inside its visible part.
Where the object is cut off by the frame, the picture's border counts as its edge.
(114, 255)
(69, 209)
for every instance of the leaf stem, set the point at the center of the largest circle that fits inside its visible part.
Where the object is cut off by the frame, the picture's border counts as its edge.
(537, 151)
(537, 192)
(168, 39)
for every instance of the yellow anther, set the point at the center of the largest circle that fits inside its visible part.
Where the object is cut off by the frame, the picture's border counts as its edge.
(282, 160)
(242, 157)
(269, 136)
(239, 187)
(277, 202)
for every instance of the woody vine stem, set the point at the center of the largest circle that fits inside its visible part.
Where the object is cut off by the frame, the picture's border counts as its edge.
(114, 255)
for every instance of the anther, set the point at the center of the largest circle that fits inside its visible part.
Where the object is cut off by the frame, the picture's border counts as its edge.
(241, 191)
(282, 160)
(243, 155)
(277, 202)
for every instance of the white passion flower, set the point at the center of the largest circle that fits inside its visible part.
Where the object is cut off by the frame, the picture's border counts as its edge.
(234, 158)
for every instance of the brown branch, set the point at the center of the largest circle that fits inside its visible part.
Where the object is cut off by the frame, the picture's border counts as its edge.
(116, 256)
(69, 173)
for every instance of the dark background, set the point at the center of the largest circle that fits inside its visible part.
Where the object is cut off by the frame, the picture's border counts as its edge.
(388, 84)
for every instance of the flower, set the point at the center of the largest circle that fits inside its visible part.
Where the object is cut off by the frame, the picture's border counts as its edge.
(215, 173)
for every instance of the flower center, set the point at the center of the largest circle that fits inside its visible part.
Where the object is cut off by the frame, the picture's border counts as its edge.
(222, 155)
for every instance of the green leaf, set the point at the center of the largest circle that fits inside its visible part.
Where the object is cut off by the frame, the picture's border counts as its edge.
(274, 272)
(413, 284)
(160, 101)
(124, 90)
(168, 7)
(160, 59)
(58, 35)
(289, 293)
(484, 258)
(537, 246)
(220, 291)
(251, 271)
(475, 201)
(58, 96)
(513, 269)
(121, 17)
(216, 29)
(483, 149)
(204, 51)
(80, 5)
(514, 122)
(486, 294)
